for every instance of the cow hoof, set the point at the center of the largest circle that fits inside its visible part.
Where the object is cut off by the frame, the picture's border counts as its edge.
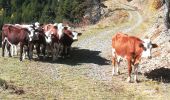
(129, 80)
(136, 81)
(113, 74)
(118, 73)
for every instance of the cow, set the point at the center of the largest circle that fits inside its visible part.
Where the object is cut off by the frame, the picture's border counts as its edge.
(40, 43)
(53, 33)
(15, 35)
(36, 32)
(131, 49)
(67, 39)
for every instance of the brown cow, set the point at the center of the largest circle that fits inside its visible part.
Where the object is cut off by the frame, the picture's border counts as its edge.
(14, 35)
(132, 49)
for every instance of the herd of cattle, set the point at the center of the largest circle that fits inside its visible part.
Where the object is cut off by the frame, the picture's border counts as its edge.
(56, 37)
(59, 38)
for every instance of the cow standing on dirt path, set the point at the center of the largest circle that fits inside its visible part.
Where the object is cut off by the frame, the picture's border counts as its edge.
(132, 49)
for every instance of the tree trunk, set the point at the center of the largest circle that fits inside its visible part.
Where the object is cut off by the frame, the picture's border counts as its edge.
(167, 9)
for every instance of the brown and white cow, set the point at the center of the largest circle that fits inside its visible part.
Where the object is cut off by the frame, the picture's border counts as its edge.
(34, 36)
(52, 35)
(131, 49)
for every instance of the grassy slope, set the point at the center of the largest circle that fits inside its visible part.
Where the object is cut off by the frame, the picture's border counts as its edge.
(71, 83)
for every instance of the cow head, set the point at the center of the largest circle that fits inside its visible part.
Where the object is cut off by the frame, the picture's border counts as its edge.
(31, 33)
(34, 29)
(48, 36)
(75, 35)
(147, 47)
(60, 29)
(50, 31)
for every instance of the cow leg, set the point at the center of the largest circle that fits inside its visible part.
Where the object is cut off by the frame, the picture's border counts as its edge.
(61, 52)
(9, 51)
(12, 50)
(68, 51)
(3, 47)
(129, 70)
(30, 51)
(38, 49)
(43, 50)
(64, 51)
(114, 64)
(117, 68)
(15, 49)
(21, 50)
(25, 52)
(136, 72)
(47, 49)
(53, 52)
(57, 47)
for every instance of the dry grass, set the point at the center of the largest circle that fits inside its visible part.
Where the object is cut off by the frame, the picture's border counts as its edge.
(118, 17)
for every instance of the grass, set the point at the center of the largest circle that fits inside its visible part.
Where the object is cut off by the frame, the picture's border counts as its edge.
(72, 83)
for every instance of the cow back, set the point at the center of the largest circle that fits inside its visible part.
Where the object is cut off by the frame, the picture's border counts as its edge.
(126, 45)
(16, 35)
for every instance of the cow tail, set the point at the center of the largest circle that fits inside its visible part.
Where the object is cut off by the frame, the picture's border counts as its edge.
(113, 52)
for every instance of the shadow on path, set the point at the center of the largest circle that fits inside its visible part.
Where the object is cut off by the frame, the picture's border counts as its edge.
(80, 56)
(160, 75)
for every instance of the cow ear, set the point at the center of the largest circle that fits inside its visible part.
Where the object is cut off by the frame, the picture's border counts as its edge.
(154, 45)
(142, 46)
